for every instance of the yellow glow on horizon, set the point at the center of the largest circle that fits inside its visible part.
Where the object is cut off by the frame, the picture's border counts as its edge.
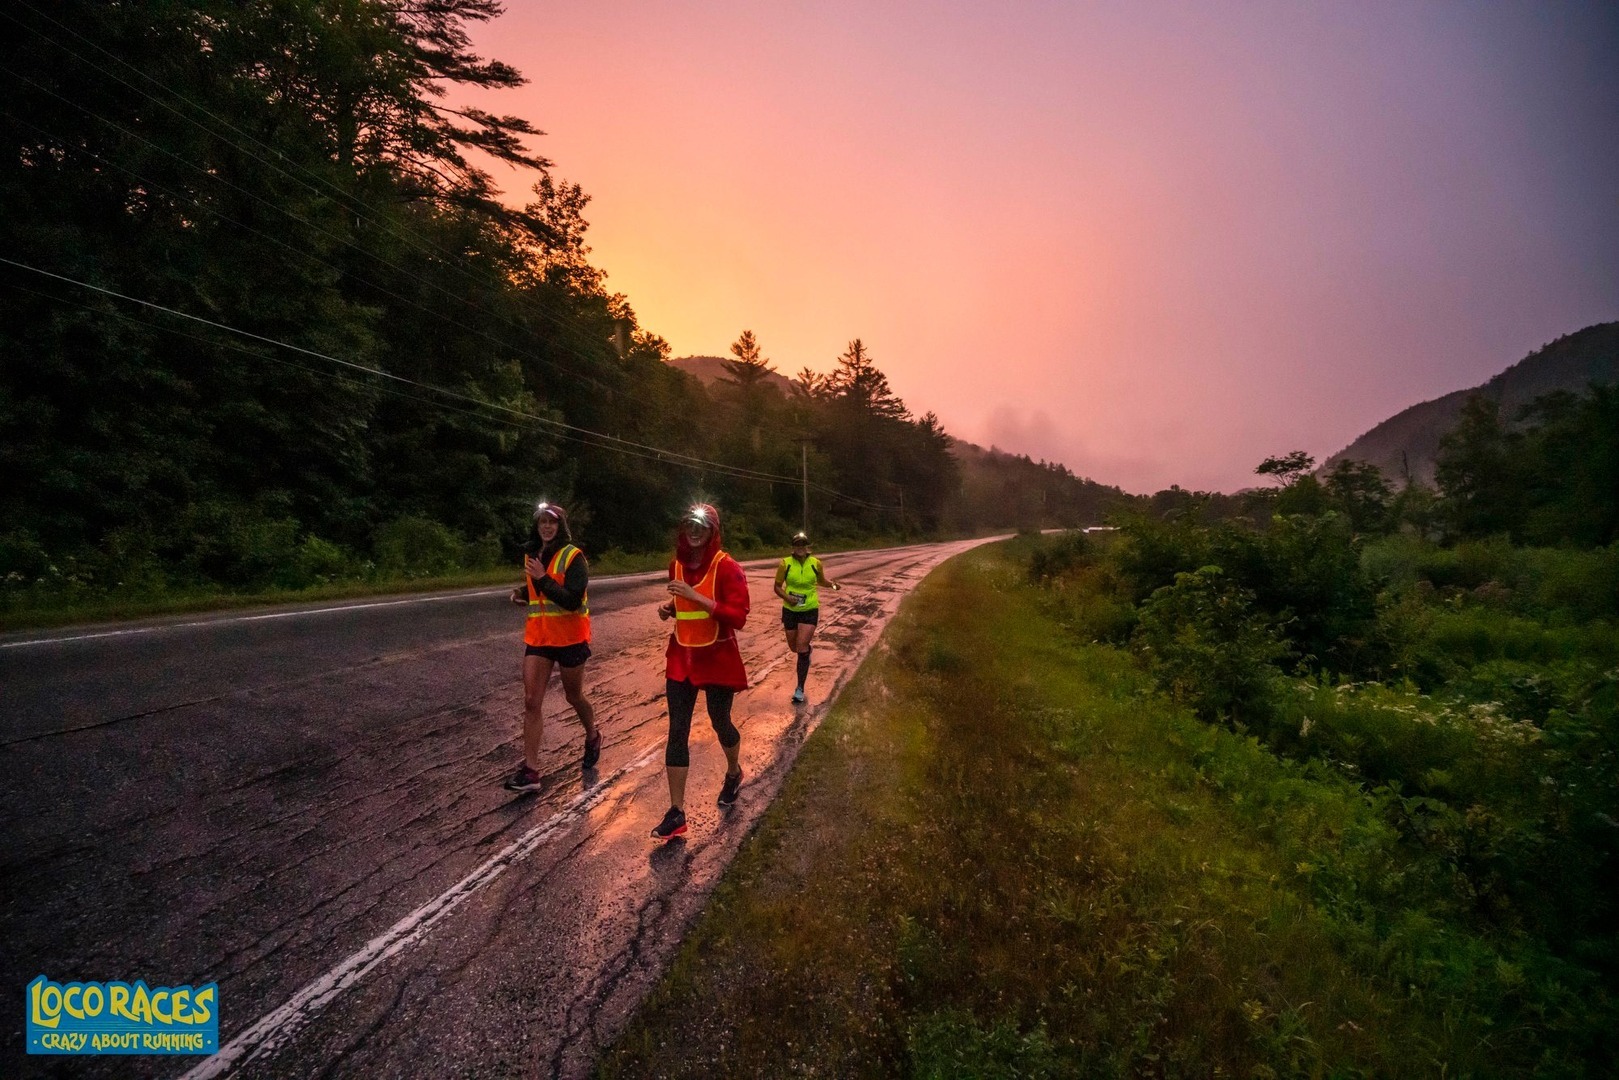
(1103, 231)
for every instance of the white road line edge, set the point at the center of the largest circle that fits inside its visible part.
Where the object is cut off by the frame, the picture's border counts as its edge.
(229, 619)
(275, 1028)
(245, 618)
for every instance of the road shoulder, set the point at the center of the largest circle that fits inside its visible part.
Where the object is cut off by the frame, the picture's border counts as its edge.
(988, 861)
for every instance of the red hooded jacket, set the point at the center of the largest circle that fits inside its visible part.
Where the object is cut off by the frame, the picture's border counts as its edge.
(719, 664)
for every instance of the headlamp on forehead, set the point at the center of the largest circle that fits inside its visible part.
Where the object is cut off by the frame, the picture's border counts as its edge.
(698, 516)
(542, 508)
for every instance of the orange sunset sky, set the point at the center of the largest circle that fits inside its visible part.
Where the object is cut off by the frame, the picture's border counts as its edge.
(1156, 242)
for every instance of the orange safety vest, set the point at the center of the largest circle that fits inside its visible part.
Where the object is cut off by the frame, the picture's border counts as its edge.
(695, 627)
(549, 624)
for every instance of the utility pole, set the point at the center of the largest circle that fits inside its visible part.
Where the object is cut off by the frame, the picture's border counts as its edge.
(803, 469)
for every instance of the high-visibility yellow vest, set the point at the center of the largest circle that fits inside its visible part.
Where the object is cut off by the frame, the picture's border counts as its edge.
(803, 579)
(694, 626)
(549, 624)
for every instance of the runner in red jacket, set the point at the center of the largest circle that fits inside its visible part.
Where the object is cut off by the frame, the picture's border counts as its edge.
(709, 603)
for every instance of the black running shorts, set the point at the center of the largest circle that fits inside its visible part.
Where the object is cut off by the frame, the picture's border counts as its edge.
(792, 619)
(563, 655)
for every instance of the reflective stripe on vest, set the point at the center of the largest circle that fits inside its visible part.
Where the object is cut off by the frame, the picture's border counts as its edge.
(548, 623)
(801, 579)
(694, 626)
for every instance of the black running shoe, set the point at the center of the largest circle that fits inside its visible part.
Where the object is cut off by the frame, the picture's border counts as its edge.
(524, 779)
(728, 789)
(672, 825)
(593, 751)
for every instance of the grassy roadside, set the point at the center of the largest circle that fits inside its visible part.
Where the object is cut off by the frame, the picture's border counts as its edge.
(1002, 855)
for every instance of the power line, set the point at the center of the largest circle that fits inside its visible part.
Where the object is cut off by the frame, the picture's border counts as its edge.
(360, 209)
(596, 383)
(560, 428)
(197, 202)
(353, 205)
(521, 421)
(270, 358)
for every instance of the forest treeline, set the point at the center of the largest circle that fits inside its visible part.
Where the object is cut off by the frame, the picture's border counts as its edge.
(1546, 475)
(265, 320)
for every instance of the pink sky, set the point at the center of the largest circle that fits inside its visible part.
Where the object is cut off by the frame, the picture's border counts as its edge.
(1154, 242)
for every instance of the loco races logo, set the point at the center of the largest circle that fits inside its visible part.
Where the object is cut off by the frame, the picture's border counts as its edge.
(121, 1018)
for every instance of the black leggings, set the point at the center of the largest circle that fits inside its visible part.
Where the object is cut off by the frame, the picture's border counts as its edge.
(682, 703)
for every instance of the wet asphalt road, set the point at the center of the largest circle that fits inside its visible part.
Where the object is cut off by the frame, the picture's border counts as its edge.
(305, 806)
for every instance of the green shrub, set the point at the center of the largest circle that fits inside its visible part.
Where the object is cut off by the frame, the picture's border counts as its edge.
(1394, 562)
(1090, 596)
(1054, 557)
(1208, 648)
(234, 545)
(1304, 573)
(410, 546)
(741, 534)
(1462, 637)
(1580, 585)
(1483, 865)
(1502, 786)
(1557, 583)
(23, 559)
(1150, 552)
(29, 574)
(484, 553)
(319, 562)
(1095, 614)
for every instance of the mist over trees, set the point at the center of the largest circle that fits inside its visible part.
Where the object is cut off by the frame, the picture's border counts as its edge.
(265, 320)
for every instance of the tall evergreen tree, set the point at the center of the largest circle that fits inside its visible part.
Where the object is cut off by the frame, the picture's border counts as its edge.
(857, 381)
(751, 367)
(1474, 470)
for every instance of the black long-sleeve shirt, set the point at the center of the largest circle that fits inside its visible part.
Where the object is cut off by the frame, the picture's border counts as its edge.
(570, 595)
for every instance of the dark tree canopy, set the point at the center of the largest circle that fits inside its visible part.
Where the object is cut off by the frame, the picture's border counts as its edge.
(1549, 476)
(1287, 468)
(266, 321)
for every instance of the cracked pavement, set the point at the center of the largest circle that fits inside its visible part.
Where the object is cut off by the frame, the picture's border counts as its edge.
(267, 800)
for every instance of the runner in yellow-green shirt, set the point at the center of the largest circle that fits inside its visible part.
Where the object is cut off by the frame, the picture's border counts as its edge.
(797, 580)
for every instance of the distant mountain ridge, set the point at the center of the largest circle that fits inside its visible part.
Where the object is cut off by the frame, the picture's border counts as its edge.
(709, 370)
(1407, 443)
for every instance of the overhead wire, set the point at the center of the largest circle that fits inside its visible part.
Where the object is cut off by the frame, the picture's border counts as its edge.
(205, 208)
(353, 205)
(360, 209)
(270, 358)
(561, 429)
(356, 206)
(511, 421)
(553, 365)
(519, 420)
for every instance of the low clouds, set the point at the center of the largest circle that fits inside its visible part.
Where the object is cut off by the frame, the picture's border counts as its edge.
(1037, 434)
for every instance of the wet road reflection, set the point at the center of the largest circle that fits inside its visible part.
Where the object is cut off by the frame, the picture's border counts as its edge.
(308, 810)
